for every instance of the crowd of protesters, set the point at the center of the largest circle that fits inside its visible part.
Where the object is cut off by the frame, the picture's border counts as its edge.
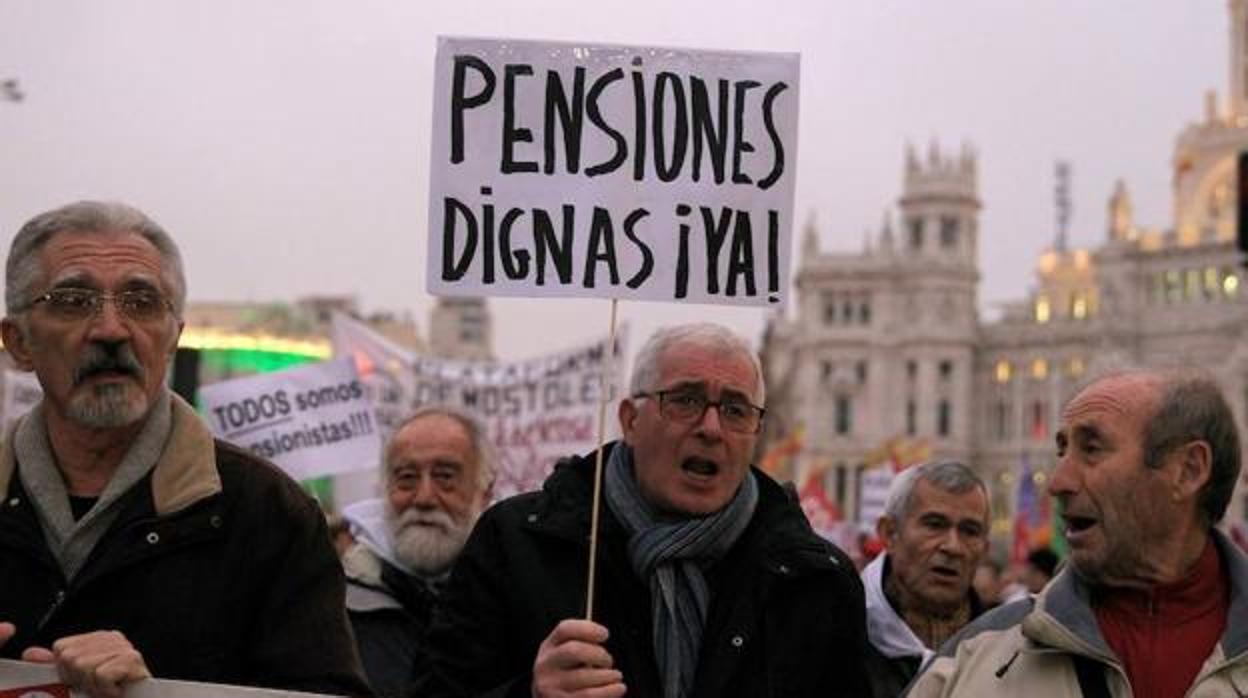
(133, 544)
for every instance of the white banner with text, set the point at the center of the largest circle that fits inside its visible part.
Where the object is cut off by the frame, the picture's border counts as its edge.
(535, 411)
(312, 421)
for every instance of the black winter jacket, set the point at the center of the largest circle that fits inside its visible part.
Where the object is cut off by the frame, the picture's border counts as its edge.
(786, 618)
(389, 612)
(217, 568)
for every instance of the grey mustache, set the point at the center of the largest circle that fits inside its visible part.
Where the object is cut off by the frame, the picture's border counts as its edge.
(100, 358)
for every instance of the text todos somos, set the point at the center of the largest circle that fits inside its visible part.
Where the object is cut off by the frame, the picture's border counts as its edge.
(311, 420)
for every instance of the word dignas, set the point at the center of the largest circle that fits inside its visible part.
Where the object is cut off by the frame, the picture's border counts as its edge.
(595, 247)
(655, 126)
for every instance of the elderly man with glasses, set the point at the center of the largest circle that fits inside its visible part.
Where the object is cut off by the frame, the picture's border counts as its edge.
(709, 582)
(132, 543)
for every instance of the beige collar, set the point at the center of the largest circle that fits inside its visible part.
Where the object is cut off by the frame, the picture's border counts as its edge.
(185, 473)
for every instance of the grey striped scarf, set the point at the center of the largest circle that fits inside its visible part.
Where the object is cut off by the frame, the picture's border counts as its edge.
(671, 554)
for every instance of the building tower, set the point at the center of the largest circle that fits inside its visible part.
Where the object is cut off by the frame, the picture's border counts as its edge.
(1239, 62)
(938, 277)
(461, 328)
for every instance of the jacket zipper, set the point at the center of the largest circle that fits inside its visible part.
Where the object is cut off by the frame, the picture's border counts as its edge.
(56, 604)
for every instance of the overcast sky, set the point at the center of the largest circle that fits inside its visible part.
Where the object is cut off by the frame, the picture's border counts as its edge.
(286, 144)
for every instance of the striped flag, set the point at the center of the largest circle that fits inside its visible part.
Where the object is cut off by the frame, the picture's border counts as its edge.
(1032, 526)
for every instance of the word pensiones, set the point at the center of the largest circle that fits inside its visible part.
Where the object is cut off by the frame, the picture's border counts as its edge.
(680, 124)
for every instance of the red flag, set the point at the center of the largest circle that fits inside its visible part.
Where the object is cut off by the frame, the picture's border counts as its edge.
(821, 511)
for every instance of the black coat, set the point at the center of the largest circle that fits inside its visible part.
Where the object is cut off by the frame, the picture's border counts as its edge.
(786, 618)
(237, 584)
(389, 612)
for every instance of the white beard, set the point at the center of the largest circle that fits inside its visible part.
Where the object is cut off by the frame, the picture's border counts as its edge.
(427, 542)
(108, 406)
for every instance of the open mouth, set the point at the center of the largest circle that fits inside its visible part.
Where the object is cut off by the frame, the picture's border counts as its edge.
(109, 373)
(106, 373)
(700, 467)
(945, 572)
(1077, 525)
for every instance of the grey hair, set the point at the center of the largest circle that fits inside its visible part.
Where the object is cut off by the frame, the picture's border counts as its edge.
(487, 455)
(646, 368)
(23, 269)
(949, 476)
(1193, 408)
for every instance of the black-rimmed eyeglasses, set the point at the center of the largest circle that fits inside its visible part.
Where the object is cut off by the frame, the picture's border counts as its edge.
(689, 406)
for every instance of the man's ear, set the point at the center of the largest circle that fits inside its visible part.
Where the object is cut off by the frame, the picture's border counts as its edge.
(487, 493)
(1195, 467)
(177, 335)
(885, 529)
(628, 417)
(15, 343)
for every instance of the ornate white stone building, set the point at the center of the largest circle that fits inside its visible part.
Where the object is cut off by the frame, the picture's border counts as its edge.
(888, 343)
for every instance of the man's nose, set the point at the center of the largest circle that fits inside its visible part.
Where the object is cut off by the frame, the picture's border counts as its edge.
(710, 424)
(107, 322)
(1065, 477)
(953, 542)
(424, 495)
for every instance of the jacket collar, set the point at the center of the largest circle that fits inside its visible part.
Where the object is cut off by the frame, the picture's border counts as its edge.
(788, 543)
(1063, 616)
(185, 473)
(1235, 637)
(886, 630)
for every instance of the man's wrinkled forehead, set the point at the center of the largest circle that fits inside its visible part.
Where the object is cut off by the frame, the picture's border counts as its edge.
(71, 258)
(1127, 397)
(676, 370)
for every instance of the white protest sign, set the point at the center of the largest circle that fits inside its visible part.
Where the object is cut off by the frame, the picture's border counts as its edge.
(312, 421)
(535, 411)
(21, 392)
(30, 680)
(641, 173)
(873, 484)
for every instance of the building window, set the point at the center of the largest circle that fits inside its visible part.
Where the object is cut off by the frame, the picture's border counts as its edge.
(948, 231)
(829, 309)
(1174, 286)
(912, 370)
(1039, 369)
(1075, 367)
(1211, 283)
(864, 313)
(1079, 306)
(860, 370)
(1042, 309)
(1039, 420)
(946, 370)
(844, 415)
(1001, 420)
(943, 417)
(912, 418)
(847, 312)
(1003, 371)
(826, 370)
(916, 233)
(1191, 285)
(842, 484)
